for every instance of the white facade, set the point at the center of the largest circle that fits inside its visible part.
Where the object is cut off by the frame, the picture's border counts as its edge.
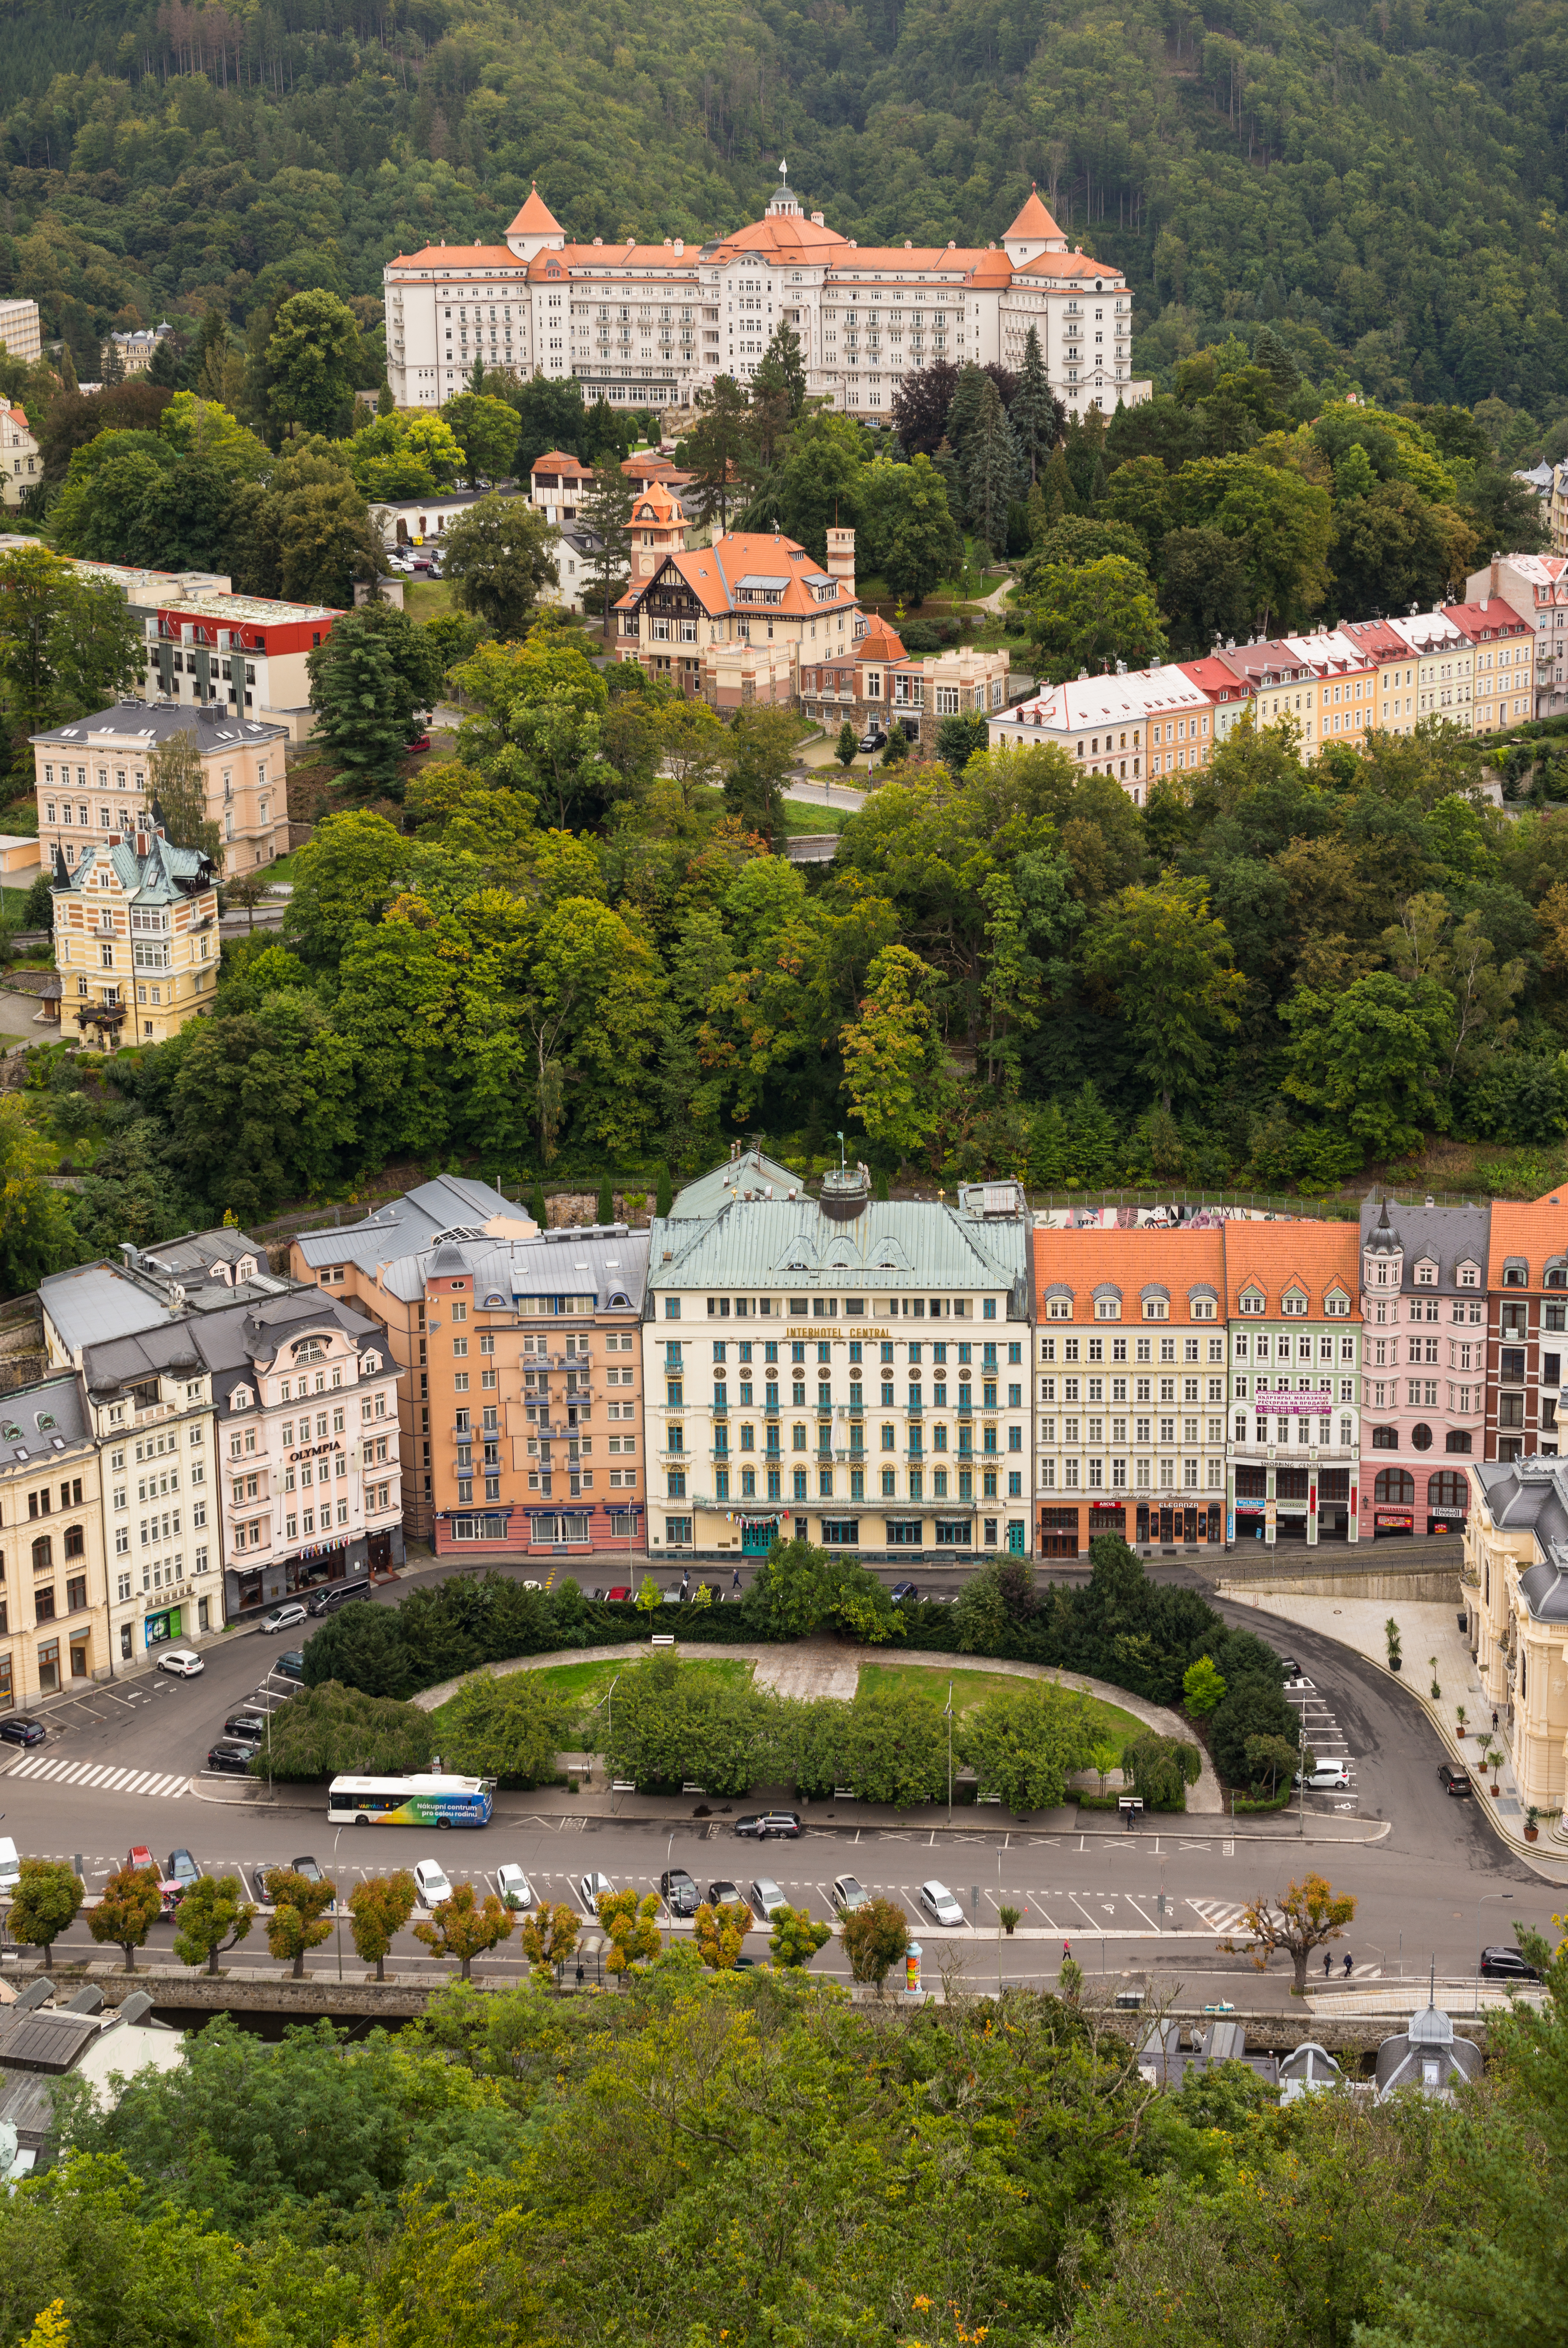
(19, 330)
(1536, 587)
(653, 325)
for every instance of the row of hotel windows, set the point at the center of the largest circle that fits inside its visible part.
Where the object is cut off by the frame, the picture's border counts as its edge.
(843, 1532)
(1093, 1349)
(961, 1482)
(1091, 1475)
(825, 1308)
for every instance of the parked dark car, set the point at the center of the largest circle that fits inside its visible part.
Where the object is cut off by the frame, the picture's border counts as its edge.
(335, 1594)
(1506, 1964)
(678, 1892)
(903, 1590)
(723, 1893)
(20, 1729)
(229, 1755)
(1452, 1780)
(182, 1870)
(290, 1665)
(763, 1823)
(872, 739)
(249, 1727)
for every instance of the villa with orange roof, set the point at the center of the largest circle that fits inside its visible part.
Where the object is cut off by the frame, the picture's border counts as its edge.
(1293, 1458)
(19, 463)
(653, 326)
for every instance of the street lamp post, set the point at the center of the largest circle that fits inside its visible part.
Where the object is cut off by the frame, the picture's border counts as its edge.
(947, 1716)
(337, 1904)
(1479, 1904)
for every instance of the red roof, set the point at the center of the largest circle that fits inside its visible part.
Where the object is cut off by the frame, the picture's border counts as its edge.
(778, 565)
(536, 218)
(1034, 220)
(1493, 618)
(457, 256)
(557, 461)
(1274, 1257)
(1533, 1235)
(1213, 677)
(1174, 1263)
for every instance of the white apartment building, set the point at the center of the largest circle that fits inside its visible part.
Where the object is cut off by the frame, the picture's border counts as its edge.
(653, 324)
(20, 333)
(1130, 1388)
(1136, 723)
(1536, 587)
(849, 1372)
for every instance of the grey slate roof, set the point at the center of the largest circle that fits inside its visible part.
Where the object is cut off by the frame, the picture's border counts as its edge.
(409, 1225)
(162, 877)
(95, 1303)
(143, 725)
(37, 1422)
(1448, 1236)
(1428, 2046)
(606, 1261)
(892, 1247)
(1533, 1495)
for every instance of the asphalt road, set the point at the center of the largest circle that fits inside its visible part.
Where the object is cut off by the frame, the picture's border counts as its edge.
(118, 1770)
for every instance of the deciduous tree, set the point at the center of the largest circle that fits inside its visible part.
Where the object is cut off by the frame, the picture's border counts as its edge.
(796, 1935)
(313, 361)
(891, 1054)
(46, 1902)
(379, 1908)
(1308, 1914)
(721, 1933)
(876, 1936)
(1092, 614)
(548, 1937)
(128, 1907)
(630, 1923)
(1166, 960)
(298, 1921)
(213, 1916)
(464, 1927)
(499, 559)
(1025, 1743)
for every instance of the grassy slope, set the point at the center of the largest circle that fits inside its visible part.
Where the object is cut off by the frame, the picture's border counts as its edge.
(972, 1687)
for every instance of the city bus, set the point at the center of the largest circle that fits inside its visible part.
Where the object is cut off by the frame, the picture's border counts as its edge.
(415, 1801)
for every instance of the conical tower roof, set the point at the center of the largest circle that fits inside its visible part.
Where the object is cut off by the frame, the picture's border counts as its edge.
(1034, 225)
(535, 218)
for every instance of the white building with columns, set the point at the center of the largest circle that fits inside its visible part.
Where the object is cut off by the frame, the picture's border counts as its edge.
(652, 325)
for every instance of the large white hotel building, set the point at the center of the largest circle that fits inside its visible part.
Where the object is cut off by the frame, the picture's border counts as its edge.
(652, 325)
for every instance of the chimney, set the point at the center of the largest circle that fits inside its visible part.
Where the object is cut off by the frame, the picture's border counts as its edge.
(841, 558)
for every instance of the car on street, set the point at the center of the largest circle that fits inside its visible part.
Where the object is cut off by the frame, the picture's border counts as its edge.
(183, 1661)
(412, 750)
(723, 1893)
(284, 1618)
(766, 1895)
(335, 1593)
(618, 1596)
(939, 1903)
(182, 1870)
(307, 1868)
(872, 739)
(1452, 1780)
(1328, 1778)
(513, 1887)
(903, 1590)
(1506, 1964)
(139, 1856)
(763, 1823)
(591, 1889)
(249, 1726)
(231, 1757)
(290, 1663)
(430, 1882)
(20, 1728)
(848, 1894)
(678, 1892)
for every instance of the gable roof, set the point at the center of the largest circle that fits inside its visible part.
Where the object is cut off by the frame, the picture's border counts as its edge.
(1175, 1263)
(1446, 1236)
(1277, 1257)
(737, 570)
(160, 877)
(1534, 1236)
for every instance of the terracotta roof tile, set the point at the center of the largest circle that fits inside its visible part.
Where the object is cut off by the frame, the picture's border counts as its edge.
(1130, 1260)
(1274, 1257)
(1536, 1235)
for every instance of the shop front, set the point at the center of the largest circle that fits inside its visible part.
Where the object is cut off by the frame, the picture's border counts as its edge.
(1058, 1533)
(306, 1570)
(1448, 1502)
(1336, 1504)
(1393, 1503)
(1252, 1511)
(1107, 1516)
(1178, 1526)
(1292, 1491)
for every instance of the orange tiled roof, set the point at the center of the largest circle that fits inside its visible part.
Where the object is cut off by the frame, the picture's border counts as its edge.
(714, 573)
(536, 218)
(457, 256)
(1082, 1261)
(1275, 1257)
(555, 461)
(1035, 220)
(1535, 1235)
(880, 642)
(657, 505)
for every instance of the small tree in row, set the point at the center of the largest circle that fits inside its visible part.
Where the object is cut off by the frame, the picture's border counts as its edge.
(130, 1905)
(380, 1908)
(465, 1928)
(47, 1902)
(548, 1939)
(213, 1916)
(298, 1921)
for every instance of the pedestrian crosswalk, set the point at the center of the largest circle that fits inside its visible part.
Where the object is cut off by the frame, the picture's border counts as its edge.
(1224, 1916)
(102, 1779)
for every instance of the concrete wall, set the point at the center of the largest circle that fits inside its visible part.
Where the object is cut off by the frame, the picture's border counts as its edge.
(1434, 1587)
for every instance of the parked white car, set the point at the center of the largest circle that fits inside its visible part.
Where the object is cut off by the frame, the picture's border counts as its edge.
(183, 1661)
(513, 1885)
(939, 1903)
(430, 1882)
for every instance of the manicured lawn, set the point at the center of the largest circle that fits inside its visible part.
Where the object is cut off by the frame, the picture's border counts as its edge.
(583, 1684)
(428, 598)
(971, 1688)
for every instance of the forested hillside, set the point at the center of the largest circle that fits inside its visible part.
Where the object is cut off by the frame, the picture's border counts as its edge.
(1383, 183)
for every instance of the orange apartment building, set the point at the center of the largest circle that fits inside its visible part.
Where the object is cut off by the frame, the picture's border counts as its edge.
(1527, 1307)
(1293, 1452)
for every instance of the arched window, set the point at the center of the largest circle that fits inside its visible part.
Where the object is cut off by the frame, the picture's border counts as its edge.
(43, 1553)
(1458, 1440)
(1385, 1439)
(1395, 1489)
(1450, 1488)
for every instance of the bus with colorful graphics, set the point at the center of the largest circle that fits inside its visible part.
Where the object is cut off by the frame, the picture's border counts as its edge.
(415, 1801)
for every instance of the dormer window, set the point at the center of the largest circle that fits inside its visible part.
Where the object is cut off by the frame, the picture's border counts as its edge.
(311, 1349)
(1426, 1275)
(1107, 1308)
(1336, 1304)
(1202, 1308)
(1515, 1275)
(1293, 1301)
(1468, 1275)
(1156, 1308)
(1058, 1309)
(1251, 1300)
(1556, 1276)
(240, 1398)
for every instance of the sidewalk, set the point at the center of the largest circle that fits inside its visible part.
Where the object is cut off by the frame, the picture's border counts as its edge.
(1425, 1631)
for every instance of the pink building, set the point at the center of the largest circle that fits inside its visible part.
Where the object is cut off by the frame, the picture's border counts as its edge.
(1423, 1397)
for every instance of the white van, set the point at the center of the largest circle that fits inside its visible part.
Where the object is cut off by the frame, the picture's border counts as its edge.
(10, 1868)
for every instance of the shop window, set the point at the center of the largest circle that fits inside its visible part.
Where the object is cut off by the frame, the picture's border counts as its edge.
(1395, 1488)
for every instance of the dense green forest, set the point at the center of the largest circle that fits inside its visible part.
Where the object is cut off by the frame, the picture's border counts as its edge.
(1382, 182)
(702, 2157)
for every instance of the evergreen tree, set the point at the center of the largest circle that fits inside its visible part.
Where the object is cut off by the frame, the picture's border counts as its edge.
(846, 745)
(969, 400)
(112, 362)
(167, 370)
(607, 511)
(781, 368)
(384, 403)
(946, 464)
(664, 1192)
(717, 448)
(536, 1207)
(604, 1212)
(991, 468)
(1037, 413)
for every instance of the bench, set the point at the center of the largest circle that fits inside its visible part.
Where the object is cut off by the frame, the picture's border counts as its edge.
(623, 1785)
(693, 1789)
(663, 1638)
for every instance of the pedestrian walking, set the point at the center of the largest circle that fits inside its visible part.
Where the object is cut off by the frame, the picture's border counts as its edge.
(735, 1579)
(1066, 1954)
(1327, 1965)
(1347, 1964)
